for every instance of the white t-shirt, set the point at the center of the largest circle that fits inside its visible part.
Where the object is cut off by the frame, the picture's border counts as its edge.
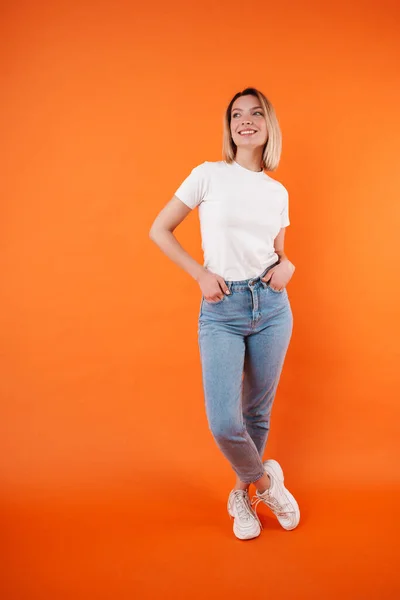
(241, 212)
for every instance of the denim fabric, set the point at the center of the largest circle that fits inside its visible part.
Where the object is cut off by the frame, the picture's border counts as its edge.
(243, 340)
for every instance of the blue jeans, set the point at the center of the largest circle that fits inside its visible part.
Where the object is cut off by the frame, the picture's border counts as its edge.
(243, 340)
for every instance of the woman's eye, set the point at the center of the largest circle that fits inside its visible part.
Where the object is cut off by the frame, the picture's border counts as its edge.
(257, 111)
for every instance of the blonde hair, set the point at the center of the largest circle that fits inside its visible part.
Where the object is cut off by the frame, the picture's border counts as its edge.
(273, 146)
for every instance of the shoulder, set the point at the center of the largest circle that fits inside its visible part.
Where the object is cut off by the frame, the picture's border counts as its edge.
(277, 185)
(210, 166)
(208, 170)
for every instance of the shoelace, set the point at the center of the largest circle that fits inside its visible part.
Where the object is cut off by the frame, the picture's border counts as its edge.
(273, 504)
(243, 505)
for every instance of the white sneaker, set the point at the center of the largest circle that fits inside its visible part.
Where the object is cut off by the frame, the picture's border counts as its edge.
(278, 498)
(246, 524)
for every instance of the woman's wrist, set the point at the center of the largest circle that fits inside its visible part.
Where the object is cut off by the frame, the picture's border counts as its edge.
(199, 273)
(283, 259)
(281, 255)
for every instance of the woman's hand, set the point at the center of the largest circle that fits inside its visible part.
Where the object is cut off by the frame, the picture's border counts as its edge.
(211, 285)
(280, 275)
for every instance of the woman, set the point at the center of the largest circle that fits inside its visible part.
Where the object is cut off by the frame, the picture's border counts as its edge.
(245, 319)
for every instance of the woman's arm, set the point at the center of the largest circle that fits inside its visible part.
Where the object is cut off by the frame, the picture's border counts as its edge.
(161, 232)
(279, 242)
(281, 274)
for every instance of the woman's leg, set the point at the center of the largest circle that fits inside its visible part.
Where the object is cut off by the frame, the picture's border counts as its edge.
(222, 358)
(264, 357)
(261, 484)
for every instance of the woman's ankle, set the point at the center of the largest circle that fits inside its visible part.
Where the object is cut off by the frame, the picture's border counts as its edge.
(263, 484)
(240, 485)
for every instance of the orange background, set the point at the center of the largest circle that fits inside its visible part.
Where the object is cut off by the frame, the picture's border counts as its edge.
(111, 483)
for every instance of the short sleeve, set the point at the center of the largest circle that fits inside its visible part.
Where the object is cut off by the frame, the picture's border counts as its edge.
(192, 190)
(285, 211)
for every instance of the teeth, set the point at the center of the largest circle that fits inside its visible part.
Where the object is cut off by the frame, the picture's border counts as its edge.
(248, 132)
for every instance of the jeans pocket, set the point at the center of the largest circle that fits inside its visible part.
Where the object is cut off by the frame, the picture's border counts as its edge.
(276, 291)
(211, 303)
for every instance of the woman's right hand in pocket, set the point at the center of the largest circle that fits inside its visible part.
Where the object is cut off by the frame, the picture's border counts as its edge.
(213, 286)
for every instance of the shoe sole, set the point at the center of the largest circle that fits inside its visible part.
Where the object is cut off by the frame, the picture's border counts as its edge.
(277, 472)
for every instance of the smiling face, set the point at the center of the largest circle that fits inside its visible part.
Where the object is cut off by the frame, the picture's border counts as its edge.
(248, 115)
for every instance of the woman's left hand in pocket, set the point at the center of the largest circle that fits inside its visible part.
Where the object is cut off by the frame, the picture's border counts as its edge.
(280, 275)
